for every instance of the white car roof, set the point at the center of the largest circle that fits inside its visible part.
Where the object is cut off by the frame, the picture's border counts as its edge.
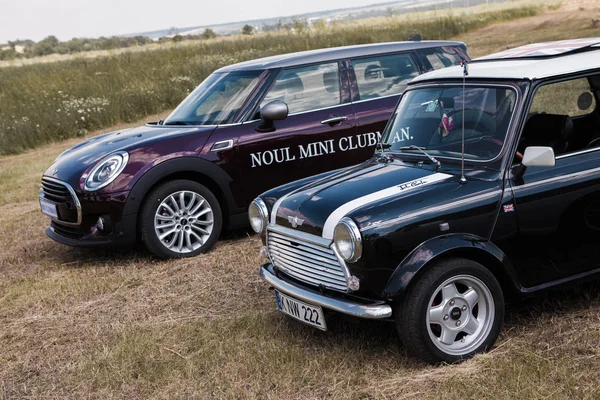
(535, 61)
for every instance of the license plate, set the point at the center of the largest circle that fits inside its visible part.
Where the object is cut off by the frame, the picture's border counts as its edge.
(48, 208)
(309, 314)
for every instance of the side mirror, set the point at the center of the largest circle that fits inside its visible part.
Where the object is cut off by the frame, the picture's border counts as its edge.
(273, 111)
(538, 156)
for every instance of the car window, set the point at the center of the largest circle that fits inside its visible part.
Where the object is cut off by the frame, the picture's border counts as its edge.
(217, 99)
(440, 58)
(434, 118)
(563, 98)
(383, 75)
(307, 88)
(551, 123)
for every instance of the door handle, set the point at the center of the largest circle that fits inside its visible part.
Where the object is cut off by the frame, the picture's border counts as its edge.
(334, 120)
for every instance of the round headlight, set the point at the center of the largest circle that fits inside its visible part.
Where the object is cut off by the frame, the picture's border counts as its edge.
(347, 240)
(259, 215)
(106, 171)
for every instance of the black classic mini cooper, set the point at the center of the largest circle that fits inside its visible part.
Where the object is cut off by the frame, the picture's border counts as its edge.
(410, 236)
(175, 184)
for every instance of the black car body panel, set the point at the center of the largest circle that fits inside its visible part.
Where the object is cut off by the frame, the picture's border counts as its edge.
(534, 227)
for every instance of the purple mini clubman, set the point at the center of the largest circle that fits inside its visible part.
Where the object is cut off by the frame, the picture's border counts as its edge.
(177, 183)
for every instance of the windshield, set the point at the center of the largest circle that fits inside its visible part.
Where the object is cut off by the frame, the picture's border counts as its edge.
(432, 119)
(217, 99)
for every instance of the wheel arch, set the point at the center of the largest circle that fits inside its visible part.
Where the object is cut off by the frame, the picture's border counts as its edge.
(453, 246)
(191, 168)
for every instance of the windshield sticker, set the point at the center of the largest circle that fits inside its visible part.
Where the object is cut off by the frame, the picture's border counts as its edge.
(314, 149)
(431, 106)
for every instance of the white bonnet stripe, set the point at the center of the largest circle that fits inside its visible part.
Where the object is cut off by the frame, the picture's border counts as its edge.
(327, 183)
(344, 209)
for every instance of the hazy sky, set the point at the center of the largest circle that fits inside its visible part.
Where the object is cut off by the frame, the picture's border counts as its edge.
(36, 19)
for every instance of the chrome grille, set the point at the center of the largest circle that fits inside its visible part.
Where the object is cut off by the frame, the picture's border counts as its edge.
(61, 193)
(56, 191)
(307, 262)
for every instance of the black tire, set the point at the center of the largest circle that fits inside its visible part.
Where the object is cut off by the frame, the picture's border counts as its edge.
(152, 203)
(412, 312)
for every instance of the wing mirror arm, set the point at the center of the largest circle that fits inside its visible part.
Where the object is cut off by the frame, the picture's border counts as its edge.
(534, 156)
(274, 111)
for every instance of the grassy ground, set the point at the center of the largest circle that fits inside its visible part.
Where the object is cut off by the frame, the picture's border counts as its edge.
(101, 324)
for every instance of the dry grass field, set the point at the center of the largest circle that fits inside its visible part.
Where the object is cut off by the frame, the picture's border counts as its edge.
(107, 324)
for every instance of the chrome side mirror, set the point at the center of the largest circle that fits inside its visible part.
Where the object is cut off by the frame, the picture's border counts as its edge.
(539, 156)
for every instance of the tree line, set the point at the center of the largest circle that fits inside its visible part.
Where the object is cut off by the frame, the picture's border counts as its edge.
(52, 45)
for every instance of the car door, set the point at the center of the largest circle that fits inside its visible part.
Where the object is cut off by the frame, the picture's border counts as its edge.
(377, 82)
(558, 208)
(312, 139)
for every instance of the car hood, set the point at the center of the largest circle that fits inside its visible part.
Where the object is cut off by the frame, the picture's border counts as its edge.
(320, 205)
(145, 145)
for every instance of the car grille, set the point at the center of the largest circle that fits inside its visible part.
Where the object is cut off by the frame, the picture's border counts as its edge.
(307, 262)
(61, 193)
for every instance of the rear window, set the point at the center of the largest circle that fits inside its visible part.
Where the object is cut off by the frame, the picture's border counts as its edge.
(439, 58)
(383, 75)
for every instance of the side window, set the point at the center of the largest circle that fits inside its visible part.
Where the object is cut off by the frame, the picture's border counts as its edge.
(563, 98)
(562, 116)
(307, 88)
(383, 75)
(440, 58)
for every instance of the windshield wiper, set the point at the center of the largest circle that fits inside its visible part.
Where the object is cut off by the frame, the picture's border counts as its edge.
(422, 150)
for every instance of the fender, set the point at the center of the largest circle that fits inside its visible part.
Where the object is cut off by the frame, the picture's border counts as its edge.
(179, 165)
(463, 244)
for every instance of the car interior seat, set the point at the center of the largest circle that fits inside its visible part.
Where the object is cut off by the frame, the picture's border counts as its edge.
(293, 85)
(551, 130)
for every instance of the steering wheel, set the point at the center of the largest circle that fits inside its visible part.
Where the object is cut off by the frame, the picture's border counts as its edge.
(475, 119)
(594, 143)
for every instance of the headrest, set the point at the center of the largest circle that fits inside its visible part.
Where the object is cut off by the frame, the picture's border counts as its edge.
(548, 126)
(373, 71)
(448, 102)
(292, 83)
(331, 81)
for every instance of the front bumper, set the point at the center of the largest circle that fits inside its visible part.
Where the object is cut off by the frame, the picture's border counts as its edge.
(124, 234)
(76, 220)
(375, 310)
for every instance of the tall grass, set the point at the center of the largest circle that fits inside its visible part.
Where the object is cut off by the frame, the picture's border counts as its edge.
(43, 103)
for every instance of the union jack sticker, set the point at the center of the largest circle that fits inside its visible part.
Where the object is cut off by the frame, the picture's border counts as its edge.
(509, 208)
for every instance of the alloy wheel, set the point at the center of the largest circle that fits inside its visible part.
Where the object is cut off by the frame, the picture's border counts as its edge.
(460, 315)
(183, 221)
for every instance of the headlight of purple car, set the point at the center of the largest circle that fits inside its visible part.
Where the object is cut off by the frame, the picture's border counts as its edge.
(106, 171)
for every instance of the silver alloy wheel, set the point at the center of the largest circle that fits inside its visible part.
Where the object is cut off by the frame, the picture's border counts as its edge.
(183, 221)
(460, 315)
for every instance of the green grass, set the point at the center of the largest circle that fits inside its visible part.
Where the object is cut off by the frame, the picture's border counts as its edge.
(43, 103)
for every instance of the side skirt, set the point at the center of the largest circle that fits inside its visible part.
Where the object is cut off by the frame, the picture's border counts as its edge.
(573, 280)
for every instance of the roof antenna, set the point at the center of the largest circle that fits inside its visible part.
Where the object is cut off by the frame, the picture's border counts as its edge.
(416, 38)
(465, 69)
